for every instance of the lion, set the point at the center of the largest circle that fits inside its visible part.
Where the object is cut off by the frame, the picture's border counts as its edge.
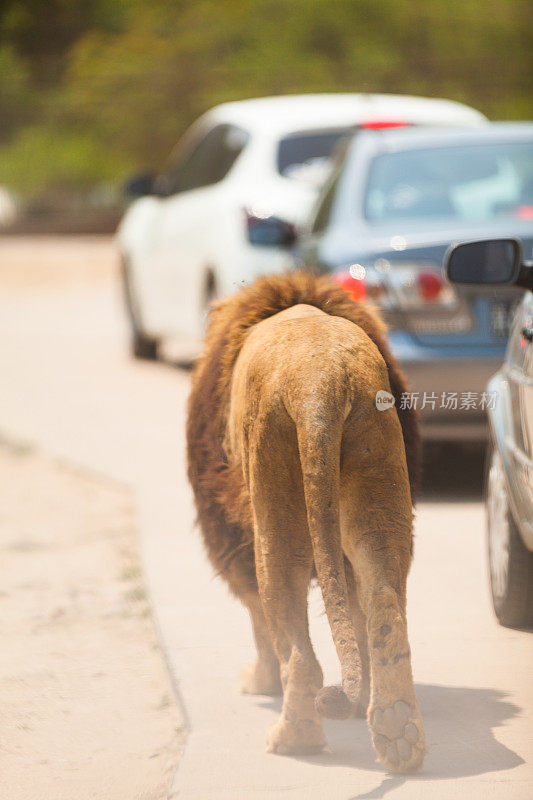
(297, 474)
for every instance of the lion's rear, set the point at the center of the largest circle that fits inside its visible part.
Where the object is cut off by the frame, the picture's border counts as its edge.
(219, 490)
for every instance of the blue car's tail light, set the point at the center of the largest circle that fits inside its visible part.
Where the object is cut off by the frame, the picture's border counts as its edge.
(412, 296)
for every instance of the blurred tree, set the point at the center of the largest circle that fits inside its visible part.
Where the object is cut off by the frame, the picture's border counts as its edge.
(117, 81)
(15, 90)
(41, 31)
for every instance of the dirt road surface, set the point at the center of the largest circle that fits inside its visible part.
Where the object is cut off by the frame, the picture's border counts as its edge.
(68, 385)
(86, 702)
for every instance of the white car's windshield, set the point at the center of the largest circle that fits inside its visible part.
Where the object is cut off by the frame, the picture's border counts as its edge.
(475, 182)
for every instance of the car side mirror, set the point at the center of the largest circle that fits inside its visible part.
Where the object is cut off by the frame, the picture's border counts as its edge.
(270, 231)
(139, 186)
(491, 262)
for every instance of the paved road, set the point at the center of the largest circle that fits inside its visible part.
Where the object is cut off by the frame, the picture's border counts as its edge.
(68, 385)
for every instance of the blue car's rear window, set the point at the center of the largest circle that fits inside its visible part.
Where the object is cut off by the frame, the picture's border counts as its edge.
(467, 182)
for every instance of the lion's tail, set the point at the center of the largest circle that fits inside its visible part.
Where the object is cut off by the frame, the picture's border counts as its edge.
(319, 444)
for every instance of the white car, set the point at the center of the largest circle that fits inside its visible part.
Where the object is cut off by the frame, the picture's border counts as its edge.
(227, 204)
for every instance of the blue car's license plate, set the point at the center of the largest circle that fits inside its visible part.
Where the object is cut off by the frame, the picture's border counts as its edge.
(501, 317)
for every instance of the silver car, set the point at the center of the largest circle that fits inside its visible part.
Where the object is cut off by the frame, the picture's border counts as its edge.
(509, 480)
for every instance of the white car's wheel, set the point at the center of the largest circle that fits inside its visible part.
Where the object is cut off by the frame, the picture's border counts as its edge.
(142, 346)
(510, 562)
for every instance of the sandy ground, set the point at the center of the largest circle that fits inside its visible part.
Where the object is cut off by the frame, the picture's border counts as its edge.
(29, 263)
(86, 705)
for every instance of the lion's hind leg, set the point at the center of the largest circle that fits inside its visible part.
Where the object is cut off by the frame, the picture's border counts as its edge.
(263, 675)
(284, 593)
(284, 563)
(377, 538)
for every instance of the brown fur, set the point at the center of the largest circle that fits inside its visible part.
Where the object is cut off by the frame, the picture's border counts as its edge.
(268, 444)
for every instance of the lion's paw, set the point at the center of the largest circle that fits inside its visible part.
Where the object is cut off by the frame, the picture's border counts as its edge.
(258, 678)
(398, 736)
(284, 738)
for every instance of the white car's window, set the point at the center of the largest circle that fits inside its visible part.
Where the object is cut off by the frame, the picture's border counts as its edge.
(208, 162)
(474, 182)
(308, 149)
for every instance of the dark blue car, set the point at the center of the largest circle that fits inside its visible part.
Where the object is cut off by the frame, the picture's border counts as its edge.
(396, 201)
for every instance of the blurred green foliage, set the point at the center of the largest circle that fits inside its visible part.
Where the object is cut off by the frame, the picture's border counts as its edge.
(93, 89)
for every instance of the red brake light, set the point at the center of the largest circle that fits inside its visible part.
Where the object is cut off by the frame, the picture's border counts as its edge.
(355, 288)
(378, 124)
(429, 285)
(524, 212)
